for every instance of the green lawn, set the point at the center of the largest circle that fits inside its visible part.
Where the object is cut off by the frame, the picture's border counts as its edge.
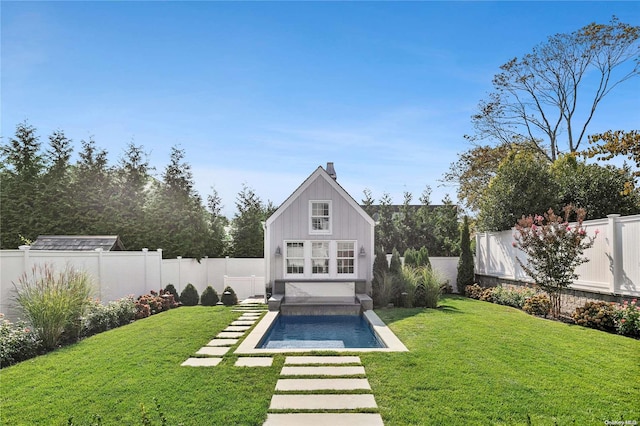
(470, 362)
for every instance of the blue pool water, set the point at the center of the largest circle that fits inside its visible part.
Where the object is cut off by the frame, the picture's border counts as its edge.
(320, 332)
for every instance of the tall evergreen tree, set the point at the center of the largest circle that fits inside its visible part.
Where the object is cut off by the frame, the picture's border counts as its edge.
(56, 199)
(247, 231)
(22, 168)
(385, 231)
(465, 264)
(132, 186)
(177, 213)
(217, 244)
(92, 189)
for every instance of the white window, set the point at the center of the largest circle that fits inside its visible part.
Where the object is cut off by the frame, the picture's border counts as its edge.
(320, 217)
(320, 257)
(295, 257)
(345, 257)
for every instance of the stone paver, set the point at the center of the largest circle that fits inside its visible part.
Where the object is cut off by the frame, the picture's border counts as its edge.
(322, 371)
(322, 402)
(323, 419)
(237, 328)
(222, 342)
(254, 362)
(322, 384)
(322, 360)
(201, 362)
(250, 315)
(255, 311)
(244, 322)
(213, 351)
(230, 335)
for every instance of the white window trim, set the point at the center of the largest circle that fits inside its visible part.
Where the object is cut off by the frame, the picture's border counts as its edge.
(304, 258)
(318, 274)
(333, 260)
(320, 232)
(355, 259)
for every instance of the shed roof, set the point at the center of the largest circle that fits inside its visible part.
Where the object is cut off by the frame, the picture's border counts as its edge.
(78, 242)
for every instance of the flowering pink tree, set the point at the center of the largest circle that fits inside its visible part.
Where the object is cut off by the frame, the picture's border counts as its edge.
(554, 249)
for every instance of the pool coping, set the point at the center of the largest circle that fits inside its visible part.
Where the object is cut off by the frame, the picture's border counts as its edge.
(248, 345)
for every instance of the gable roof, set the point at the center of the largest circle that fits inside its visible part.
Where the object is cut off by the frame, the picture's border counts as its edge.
(320, 173)
(78, 242)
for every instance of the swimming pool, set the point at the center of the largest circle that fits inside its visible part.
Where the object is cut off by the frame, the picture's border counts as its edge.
(250, 345)
(320, 332)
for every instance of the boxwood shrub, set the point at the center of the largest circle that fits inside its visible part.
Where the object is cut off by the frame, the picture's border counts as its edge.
(189, 296)
(229, 297)
(209, 297)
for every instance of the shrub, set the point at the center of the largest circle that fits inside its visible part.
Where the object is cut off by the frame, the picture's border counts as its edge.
(627, 318)
(153, 300)
(423, 257)
(431, 281)
(473, 291)
(209, 297)
(487, 295)
(600, 315)
(172, 290)
(420, 296)
(229, 297)
(53, 302)
(99, 317)
(395, 264)
(382, 288)
(537, 305)
(17, 342)
(411, 257)
(465, 263)
(446, 288)
(189, 296)
(512, 297)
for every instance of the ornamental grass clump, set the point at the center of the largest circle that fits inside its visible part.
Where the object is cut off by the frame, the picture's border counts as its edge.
(53, 302)
(554, 250)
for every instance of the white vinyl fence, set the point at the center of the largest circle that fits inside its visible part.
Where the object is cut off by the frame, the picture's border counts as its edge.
(118, 274)
(614, 259)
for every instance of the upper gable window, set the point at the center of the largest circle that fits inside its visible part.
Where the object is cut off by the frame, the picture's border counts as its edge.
(320, 217)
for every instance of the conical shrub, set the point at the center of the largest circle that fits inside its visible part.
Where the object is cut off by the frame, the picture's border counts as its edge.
(209, 297)
(189, 296)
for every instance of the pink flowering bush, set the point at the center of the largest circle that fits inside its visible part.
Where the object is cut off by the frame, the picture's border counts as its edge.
(554, 250)
(627, 318)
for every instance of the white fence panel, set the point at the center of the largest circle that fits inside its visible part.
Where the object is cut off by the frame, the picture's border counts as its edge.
(245, 287)
(614, 259)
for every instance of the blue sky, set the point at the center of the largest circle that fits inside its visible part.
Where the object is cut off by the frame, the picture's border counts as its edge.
(262, 93)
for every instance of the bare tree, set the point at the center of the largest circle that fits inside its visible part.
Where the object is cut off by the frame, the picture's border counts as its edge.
(555, 90)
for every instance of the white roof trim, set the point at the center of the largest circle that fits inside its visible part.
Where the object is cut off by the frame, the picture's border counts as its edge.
(319, 173)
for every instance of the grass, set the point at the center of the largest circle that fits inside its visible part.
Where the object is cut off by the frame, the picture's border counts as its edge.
(473, 362)
(470, 362)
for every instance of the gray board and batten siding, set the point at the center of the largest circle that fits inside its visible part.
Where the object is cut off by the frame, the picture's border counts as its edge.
(291, 222)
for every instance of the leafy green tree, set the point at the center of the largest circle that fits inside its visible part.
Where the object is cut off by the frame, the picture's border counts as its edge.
(247, 232)
(554, 250)
(522, 185)
(600, 190)
(405, 224)
(22, 168)
(610, 144)
(465, 263)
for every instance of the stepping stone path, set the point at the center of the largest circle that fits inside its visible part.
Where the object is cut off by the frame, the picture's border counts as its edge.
(211, 354)
(311, 409)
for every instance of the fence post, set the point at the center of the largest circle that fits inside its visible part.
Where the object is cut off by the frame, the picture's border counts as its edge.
(100, 295)
(487, 255)
(25, 250)
(160, 266)
(146, 282)
(206, 272)
(179, 273)
(615, 252)
(253, 285)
